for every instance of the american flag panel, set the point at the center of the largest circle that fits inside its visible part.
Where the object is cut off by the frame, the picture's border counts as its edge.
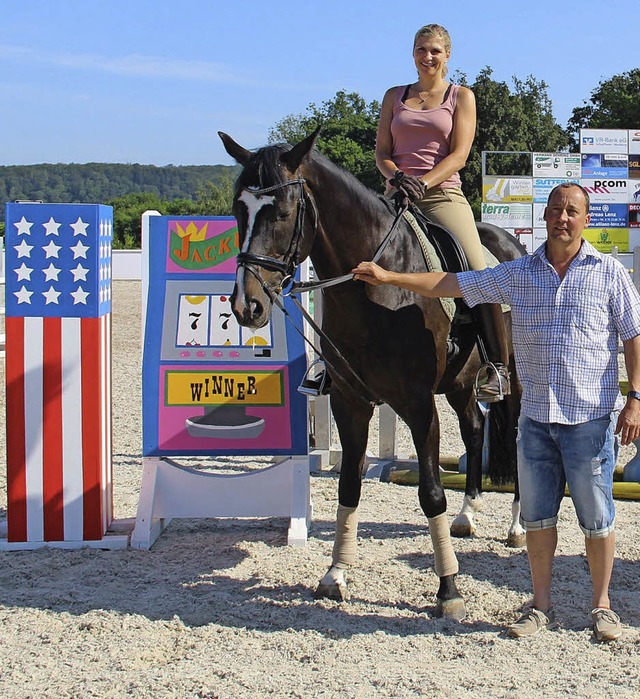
(58, 371)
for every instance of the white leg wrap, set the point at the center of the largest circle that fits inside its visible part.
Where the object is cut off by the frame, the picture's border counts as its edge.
(344, 545)
(445, 561)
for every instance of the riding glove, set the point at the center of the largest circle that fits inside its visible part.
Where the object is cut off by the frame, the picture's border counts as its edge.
(413, 187)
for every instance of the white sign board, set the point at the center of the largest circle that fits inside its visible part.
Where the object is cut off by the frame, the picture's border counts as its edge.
(538, 216)
(507, 215)
(539, 237)
(607, 191)
(604, 141)
(566, 165)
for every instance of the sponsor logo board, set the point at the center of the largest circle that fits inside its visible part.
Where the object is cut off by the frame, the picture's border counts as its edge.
(565, 165)
(607, 191)
(604, 141)
(524, 236)
(542, 187)
(538, 215)
(506, 189)
(539, 237)
(605, 239)
(507, 215)
(609, 215)
(605, 165)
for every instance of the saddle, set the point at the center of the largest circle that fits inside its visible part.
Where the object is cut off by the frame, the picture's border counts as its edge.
(443, 253)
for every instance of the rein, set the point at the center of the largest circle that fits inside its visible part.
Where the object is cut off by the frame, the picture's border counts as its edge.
(333, 281)
(288, 267)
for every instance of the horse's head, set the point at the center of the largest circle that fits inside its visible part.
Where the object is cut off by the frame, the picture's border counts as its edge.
(274, 224)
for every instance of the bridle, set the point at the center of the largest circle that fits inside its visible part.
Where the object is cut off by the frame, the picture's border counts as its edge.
(288, 266)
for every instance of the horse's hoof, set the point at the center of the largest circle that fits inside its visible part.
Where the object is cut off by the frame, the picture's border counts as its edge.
(451, 609)
(462, 531)
(516, 541)
(339, 593)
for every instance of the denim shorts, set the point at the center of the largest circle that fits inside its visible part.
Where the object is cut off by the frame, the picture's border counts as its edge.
(583, 456)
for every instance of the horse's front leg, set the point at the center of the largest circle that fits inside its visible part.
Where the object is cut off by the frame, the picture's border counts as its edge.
(471, 422)
(352, 420)
(450, 603)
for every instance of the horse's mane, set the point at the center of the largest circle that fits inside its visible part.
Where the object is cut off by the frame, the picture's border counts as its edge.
(263, 170)
(347, 181)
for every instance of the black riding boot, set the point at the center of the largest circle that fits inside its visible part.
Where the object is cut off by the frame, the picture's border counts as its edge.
(492, 383)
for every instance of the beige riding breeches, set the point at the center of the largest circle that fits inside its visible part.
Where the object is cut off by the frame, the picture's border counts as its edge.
(450, 209)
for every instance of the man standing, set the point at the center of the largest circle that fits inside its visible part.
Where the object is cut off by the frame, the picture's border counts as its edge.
(569, 305)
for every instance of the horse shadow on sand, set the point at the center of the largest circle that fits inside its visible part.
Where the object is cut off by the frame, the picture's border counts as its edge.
(208, 572)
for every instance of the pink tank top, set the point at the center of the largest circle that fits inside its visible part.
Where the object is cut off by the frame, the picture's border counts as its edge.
(422, 137)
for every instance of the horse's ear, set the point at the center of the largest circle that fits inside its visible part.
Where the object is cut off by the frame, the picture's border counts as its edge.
(296, 155)
(236, 151)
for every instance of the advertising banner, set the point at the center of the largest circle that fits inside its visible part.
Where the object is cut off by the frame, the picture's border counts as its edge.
(609, 165)
(565, 165)
(634, 167)
(539, 237)
(605, 239)
(507, 215)
(538, 215)
(607, 191)
(633, 190)
(542, 187)
(506, 189)
(634, 141)
(524, 236)
(609, 215)
(604, 141)
(634, 215)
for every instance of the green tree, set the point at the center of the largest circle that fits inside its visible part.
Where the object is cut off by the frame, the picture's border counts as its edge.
(614, 104)
(518, 119)
(212, 200)
(127, 211)
(348, 135)
(216, 199)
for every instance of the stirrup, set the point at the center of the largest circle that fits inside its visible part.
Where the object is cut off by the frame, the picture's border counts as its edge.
(502, 383)
(315, 384)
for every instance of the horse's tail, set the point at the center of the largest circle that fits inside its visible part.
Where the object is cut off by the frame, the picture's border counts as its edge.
(503, 425)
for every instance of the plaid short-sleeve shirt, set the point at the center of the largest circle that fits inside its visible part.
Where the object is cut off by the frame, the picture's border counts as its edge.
(565, 332)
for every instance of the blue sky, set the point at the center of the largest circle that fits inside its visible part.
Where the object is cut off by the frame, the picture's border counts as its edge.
(152, 81)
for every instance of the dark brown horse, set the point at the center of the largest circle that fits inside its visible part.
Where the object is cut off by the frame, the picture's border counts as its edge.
(382, 344)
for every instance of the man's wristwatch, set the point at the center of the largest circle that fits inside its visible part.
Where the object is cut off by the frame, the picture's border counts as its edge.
(633, 394)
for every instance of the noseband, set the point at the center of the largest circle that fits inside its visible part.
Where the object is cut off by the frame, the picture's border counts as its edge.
(289, 264)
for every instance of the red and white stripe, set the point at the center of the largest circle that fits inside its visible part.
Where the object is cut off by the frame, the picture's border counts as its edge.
(59, 470)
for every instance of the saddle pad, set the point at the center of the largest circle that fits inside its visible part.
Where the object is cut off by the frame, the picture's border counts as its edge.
(433, 263)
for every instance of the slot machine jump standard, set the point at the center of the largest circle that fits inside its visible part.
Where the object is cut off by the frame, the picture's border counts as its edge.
(213, 388)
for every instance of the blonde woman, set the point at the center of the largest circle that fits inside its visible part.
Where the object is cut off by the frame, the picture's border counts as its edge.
(425, 133)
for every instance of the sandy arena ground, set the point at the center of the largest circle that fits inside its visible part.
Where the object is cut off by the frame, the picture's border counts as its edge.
(225, 609)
